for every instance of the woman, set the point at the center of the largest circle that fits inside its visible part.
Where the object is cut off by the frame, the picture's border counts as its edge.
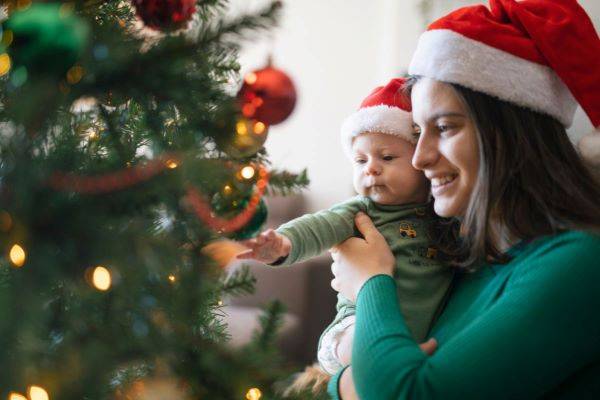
(524, 324)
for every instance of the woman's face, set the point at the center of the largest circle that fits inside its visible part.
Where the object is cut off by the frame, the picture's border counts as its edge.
(447, 150)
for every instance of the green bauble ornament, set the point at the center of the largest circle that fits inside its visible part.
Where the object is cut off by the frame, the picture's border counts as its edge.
(46, 38)
(229, 206)
(255, 224)
(247, 139)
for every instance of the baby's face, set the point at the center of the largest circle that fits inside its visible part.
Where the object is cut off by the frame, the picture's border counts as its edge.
(383, 170)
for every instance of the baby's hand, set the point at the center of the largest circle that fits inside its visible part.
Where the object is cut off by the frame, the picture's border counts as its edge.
(267, 247)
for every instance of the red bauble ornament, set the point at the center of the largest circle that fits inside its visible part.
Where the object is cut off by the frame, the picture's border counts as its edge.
(165, 14)
(268, 95)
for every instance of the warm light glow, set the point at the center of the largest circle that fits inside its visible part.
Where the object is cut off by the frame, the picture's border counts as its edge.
(16, 396)
(250, 78)
(38, 393)
(171, 164)
(248, 110)
(247, 172)
(101, 278)
(227, 190)
(92, 134)
(241, 128)
(17, 255)
(253, 394)
(4, 64)
(75, 74)
(257, 102)
(259, 128)
(172, 278)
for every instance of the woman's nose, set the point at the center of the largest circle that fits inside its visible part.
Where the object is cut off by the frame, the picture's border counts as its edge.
(425, 152)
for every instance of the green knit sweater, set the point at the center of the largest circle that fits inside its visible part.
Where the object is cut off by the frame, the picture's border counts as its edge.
(523, 330)
(422, 279)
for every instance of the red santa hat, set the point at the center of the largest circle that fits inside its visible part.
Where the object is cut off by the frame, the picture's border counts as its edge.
(387, 110)
(539, 54)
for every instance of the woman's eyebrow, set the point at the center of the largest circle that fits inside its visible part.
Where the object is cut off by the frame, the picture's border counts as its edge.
(445, 114)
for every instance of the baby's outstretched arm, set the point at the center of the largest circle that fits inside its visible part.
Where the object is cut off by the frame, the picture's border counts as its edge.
(267, 247)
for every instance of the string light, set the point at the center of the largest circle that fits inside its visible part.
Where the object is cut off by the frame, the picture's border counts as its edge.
(172, 278)
(250, 78)
(241, 128)
(220, 303)
(5, 64)
(259, 128)
(247, 172)
(101, 278)
(17, 255)
(16, 396)
(38, 393)
(253, 394)
(227, 190)
(171, 164)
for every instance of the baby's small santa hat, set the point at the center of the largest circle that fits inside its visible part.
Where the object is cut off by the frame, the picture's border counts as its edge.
(539, 54)
(387, 110)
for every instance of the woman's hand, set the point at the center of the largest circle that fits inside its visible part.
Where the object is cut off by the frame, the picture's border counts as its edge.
(347, 391)
(356, 260)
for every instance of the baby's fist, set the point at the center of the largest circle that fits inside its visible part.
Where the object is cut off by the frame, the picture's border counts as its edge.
(267, 247)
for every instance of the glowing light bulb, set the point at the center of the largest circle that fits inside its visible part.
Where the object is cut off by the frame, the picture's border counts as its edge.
(250, 78)
(241, 128)
(101, 278)
(227, 190)
(253, 394)
(259, 128)
(38, 393)
(172, 278)
(171, 164)
(17, 255)
(5, 64)
(16, 396)
(247, 172)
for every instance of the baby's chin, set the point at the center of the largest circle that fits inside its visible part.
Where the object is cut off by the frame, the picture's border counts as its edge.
(383, 197)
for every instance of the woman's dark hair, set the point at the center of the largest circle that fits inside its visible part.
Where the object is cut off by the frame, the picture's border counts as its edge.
(530, 179)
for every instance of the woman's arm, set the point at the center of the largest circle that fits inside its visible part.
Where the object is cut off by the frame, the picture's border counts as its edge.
(543, 329)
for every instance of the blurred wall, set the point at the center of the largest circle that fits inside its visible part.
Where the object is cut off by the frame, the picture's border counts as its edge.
(336, 51)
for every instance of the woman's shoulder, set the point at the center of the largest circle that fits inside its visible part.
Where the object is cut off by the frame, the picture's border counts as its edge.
(573, 251)
(568, 241)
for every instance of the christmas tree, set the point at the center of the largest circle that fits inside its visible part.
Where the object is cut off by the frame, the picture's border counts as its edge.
(123, 152)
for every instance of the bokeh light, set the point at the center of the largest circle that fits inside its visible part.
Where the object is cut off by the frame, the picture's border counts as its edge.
(17, 255)
(101, 278)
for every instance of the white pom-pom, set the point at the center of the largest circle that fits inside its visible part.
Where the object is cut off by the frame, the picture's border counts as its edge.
(589, 147)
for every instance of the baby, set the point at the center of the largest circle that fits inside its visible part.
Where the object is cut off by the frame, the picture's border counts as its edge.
(379, 139)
